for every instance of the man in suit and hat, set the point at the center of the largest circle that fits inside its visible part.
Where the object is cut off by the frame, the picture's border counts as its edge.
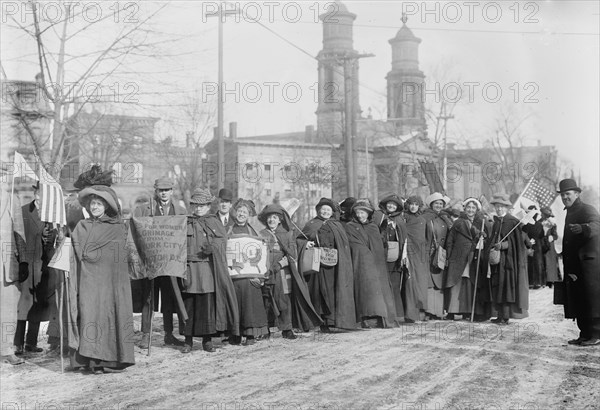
(581, 249)
(225, 201)
(161, 205)
(34, 254)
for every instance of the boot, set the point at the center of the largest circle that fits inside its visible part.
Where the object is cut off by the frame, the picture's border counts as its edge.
(172, 340)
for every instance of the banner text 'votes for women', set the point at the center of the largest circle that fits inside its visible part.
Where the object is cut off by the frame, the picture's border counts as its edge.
(157, 246)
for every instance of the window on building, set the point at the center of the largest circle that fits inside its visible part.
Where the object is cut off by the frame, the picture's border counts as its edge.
(268, 167)
(132, 173)
(268, 192)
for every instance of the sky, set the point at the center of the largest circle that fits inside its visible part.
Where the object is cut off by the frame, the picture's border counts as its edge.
(542, 56)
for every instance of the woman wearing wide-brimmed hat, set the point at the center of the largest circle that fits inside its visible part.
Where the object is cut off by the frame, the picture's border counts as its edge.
(462, 260)
(332, 287)
(438, 225)
(285, 292)
(253, 317)
(101, 286)
(208, 293)
(389, 217)
(372, 289)
(509, 282)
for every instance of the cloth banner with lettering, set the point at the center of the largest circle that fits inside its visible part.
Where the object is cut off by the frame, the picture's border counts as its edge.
(161, 243)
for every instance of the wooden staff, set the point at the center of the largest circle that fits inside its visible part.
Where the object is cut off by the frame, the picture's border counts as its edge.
(60, 323)
(477, 269)
(151, 314)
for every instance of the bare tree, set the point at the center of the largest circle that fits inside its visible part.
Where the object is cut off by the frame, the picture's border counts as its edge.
(84, 58)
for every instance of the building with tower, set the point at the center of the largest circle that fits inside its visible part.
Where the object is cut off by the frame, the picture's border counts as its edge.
(337, 73)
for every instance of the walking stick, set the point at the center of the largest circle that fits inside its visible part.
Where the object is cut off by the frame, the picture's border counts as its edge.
(60, 323)
(151, 314)
(480, 246)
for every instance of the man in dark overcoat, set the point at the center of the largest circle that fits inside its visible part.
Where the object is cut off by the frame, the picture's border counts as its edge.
(145, 291)
(34, 253)
(581, 249)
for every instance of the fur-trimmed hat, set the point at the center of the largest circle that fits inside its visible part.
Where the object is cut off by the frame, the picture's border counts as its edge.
(391, 198)
(475, 201)
(329, 202)
(269, 210)
(94, 176)
(364, 204)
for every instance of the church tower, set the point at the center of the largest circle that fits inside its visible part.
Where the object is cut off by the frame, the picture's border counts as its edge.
(337, 51)
(406, 83)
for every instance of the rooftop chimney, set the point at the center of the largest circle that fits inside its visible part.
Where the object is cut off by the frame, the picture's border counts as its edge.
(233, 129)
(309, 133)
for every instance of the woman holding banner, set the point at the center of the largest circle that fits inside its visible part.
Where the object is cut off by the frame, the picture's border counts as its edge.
(101, 285)
(208, 293)
(253, 317)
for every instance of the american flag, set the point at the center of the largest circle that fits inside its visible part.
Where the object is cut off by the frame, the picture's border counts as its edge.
(537, 193)
(52, 203)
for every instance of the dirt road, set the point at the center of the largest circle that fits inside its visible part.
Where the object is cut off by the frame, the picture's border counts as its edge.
(433, 365)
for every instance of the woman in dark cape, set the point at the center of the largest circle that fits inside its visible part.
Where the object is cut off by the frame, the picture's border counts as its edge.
(372, 289)
(253, 317)
(208, 293)
(332, 288)
(288, 302)
(437, 229)
(393, 229)
(414, 293)
(101, 283)
(509, 281)
(463, 257)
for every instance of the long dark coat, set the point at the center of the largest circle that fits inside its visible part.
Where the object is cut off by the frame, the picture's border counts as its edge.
(210, 229)
(36, 291)
(581, 258)
(101, 285)
(304, 315)
(372, 288)
(535, 262)
(418, 261)
(509, 281)
(344, 311)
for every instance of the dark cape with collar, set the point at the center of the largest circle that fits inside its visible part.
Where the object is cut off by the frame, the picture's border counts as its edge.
(344, 311)
(304, 315)
(227, 312)
(372, 288)
(101, 320)
(509, 281)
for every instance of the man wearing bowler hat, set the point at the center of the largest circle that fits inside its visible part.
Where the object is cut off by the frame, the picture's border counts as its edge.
(582, 267)
(225, 199)
(161, 205)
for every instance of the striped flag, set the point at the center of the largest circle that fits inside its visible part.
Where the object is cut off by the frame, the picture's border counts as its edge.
(52, 203)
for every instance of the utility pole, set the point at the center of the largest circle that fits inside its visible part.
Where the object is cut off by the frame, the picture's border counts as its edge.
(445, 118)
(221, 14)
(350, 121)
